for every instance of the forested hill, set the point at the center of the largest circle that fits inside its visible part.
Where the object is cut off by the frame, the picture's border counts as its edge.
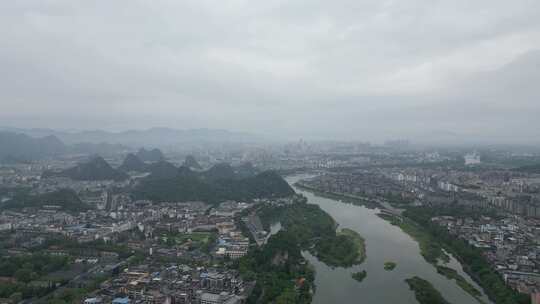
(24, 147)
(132, 163)
(95, 169)
(66, 199)
(153, 155)
(211, 189)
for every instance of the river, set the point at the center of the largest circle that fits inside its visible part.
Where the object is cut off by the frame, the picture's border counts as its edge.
(384, 242)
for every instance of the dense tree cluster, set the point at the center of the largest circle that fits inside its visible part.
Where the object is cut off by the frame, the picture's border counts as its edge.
(67, 199)
(23, 270)
(189, 187)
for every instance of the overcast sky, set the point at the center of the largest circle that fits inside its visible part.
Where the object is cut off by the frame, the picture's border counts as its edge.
(359, 69)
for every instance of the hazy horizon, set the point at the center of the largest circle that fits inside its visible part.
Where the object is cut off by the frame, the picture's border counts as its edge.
(359, 70)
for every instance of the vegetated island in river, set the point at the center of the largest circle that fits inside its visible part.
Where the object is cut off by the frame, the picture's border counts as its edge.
(316, 231)
(389, 266)
(281, 273)
(333, 251)
(359, 276)
(424, 292)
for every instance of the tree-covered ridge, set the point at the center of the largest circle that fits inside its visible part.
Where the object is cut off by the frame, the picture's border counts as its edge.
(95, 169)
(153, 155)
(132, 163)
(66, 199)
(222, 171)
(190, 186)
(23, 147)
(162, 170)
(192, 163)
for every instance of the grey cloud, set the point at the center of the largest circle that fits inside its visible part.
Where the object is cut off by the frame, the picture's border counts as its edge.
(350, 69)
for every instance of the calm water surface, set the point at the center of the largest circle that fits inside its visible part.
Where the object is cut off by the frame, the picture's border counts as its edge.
(384, 242)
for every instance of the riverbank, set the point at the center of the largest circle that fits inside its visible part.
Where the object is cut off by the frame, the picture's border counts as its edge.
(430, 248)
(452, 274)
(383, 243)
(433, 253)
(348, 198)
(473, 261)
(317, 232)
(278, 267)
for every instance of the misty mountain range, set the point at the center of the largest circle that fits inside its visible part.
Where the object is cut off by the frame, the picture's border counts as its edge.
(155, 137)
(18, 145)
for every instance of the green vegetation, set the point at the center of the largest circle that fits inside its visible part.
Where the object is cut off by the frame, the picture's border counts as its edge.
(359, 276)
(161, 170)
(389, 266)
(67, 199)
(355, 200)
(452, 274)
(281, 273)
(27, 268)
(13, 191)
(23, 269)
(72, 247)
(347, 248)
(359, 241)
(153, 155)
(132, 163)
(95, 169)
(472, 259)
(316, 232)
(21, 147)
(202, 240)
(430, 248)
(191, 186)
(73, 295)
(424, 292)
(191, 162)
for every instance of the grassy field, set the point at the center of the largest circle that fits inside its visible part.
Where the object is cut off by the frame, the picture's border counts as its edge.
(202, 238)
